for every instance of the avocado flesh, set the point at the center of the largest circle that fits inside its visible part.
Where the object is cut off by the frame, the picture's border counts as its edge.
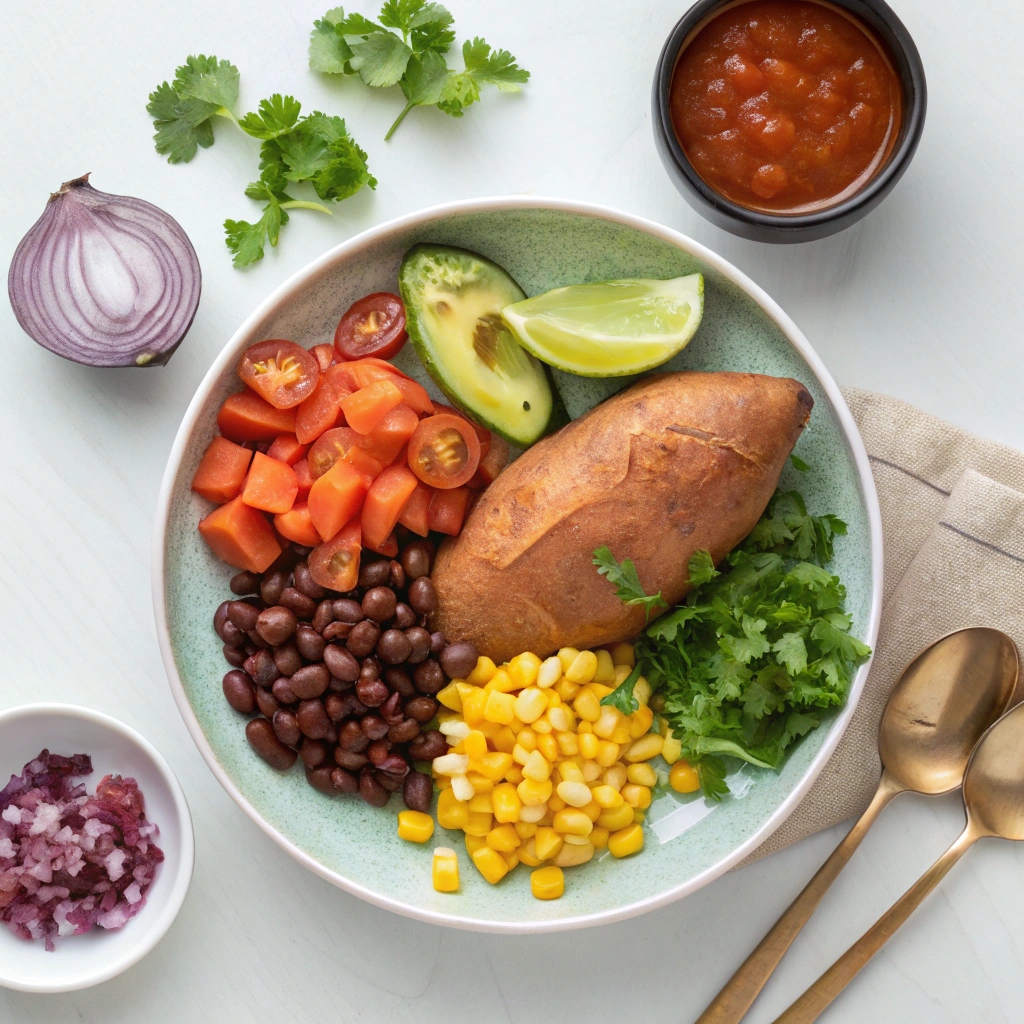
(453, 301)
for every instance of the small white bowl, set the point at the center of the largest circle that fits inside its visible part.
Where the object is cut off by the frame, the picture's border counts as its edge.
(81, 961)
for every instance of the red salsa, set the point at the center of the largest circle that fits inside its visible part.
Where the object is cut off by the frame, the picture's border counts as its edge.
(785, 106)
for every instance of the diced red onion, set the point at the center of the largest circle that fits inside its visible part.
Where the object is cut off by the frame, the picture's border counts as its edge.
(105, 280)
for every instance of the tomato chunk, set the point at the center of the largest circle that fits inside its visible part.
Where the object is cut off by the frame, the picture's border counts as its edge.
(368, 406)
(447, 510)
(271, 485)
(335, 564)
(387, 439)
(414, 512)
(280, 371)
(384, 503)
(388, 548)
(241, 536)
(375, 325)
(221, 471)
(324, 355)
(335, 498)
(246, 417)
(367, 372)
(345, 444)
(304, 478)
(286, 448)
(322, 410)
(297, 525)
(444, 451)
(491, 463)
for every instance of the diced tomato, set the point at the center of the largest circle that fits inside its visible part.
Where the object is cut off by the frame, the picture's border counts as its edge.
(221, 470)
(324, 355)
(374, 325)
(384, 503)
(304, 478)
(246, 417)
(491, 464)
(286, 448)
(280, 371)
(388, 438)
(271, 485)
(322, 410)
(335, 498)
(345, 444)
(297, 525)
(448, 510)
(241, 536)
(368, 406)
(388, 548)
(414, 512)
(444, 451)
(335, 564)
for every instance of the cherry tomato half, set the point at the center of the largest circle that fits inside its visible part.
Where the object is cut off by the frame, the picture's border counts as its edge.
(279, 371)
(373, 326)
(342, 443)
(444, 451)
(335, 564)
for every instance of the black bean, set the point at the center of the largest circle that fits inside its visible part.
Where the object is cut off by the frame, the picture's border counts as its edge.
(459, 659)
(231, 634)
(220, 616)
(416, 559)
(397, 577)
(373, 726)
(391, 709)
(372, 692)
(422, 709)
(392, 783)
(419, 641)
(363, 639)
(337, 685)
(423, 596)
(257, 641)
(276, 624)
(428, 745)
(262, 668)
(234, 656)
(379, 604)
(349, 759)
(404, 731)
(283, 692)
(260, 734)
(344, 782)
(305, 583)
(320, 779)
(272, 585)
(313, 752)
(395, 765)
(341, 663)
(378, 752)
(309, 642)
(336, 707)
(354, 706)
(245, 583)
(310, 681)
(243, 614)
(304, 607)
(369, 669)
(417, 791)
(347, 610)
(332, 735)
(400, 681)
(405, 617)
(267, 703)
(352, 738)
(375, 573)
(371, 790)
(239, 691)
(287, 659)
(394, 647)
(336, 631)
(286, 727)
(437, 643)
(428, 677)
(323, 616)
(313, 720)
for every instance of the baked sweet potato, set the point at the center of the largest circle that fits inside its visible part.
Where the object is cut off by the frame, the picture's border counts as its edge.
(677, 463)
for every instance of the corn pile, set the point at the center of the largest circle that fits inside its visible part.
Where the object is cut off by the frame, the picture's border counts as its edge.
(539, 772)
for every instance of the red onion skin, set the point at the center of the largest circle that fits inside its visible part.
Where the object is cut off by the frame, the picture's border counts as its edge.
(140, 252)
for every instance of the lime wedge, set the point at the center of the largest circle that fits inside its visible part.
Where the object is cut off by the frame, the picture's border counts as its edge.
(609, 329)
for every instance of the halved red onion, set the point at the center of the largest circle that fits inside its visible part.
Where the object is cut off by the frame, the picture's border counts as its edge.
(105, 280)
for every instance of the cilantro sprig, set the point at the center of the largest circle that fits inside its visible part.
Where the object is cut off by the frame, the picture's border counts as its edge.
(315, 149)
(623, 576)
(406, 47)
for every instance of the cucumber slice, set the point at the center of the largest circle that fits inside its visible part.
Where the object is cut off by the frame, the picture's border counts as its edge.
(453, 301)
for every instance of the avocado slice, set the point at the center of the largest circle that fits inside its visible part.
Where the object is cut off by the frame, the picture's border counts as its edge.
(453, 301)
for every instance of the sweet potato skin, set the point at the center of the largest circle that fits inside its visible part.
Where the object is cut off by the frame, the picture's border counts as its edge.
(677, 463)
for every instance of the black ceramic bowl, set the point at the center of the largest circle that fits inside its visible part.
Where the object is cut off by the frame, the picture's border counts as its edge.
(804, 227)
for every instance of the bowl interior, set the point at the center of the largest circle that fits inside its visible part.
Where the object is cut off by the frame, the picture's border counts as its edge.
(84, 960)
(356, 845)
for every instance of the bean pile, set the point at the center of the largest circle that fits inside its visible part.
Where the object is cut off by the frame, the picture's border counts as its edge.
(344, 682)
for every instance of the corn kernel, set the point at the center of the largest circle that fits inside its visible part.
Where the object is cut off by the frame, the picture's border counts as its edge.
(599, 690)
(514, 774)
(583, 667)
(606, 797)
(575, 794)
(547, 842)
(525, 829)
(645, 748)
(567, 655)
(549, 817)
(493, 765)
(475, 744)
(587, 706)
(638, 797)
(549, 673)
(533, 792)
(588, 744)
(481, 804)
(542, 727)
(591, 771)
(672, 751)
(626, 841)
(474, 843)
(527, 739)
(622, 654)
(593, 810)
(621, 733)
(537, 767)
(622, 673)
(500, 707)
(616, 776)
(554, 701)
(642, 692)
(608, 719)
(523, 669)
(547, 883)
(569, 771)
(607, 753)
(479, 824)
(574, 821)
(533, 814)
(490, 864)
(489, 729)
(462, 788)
(640, 721)
(515, 726)
(566, 689)
(473, 707)
(605, 668)
(616, 818)
(575, 840)
(547, 747)
(445, 869)
(415, 826)
(571, 855)
(502, 682)
(642, 774)
(482, 671)
(683, 777)
(450, 764)
(528, 854)
(599, 837)
(454, 732)
(559, 718)
(568, 743)
(443, 782)
(530, 705)
(450, 696)
(504, 740)
(463, 688)
(456, 748)
(503, 838)
(505, 803)
(511, 859)
(555, 802)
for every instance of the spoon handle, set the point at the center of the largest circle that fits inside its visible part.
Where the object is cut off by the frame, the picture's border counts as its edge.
(740, 991)
(841, 973)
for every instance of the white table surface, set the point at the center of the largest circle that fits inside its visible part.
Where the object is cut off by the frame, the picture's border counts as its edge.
(922, 300)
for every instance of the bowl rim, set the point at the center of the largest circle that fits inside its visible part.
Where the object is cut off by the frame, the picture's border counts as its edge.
(858, 204)
(182, 880)
(352, 246)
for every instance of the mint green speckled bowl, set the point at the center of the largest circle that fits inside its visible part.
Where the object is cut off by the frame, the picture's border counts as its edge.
(544, 244)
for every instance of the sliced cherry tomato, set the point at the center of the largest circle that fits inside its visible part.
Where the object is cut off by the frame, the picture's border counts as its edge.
(482, 433)
(280, 371)
(324, 355)
(373, 326)
(343, 443)
(444, 451)
(322, 410)
(335, 565)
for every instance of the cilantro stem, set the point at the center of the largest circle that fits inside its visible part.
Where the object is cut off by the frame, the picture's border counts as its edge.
(224, 112)
(302, 204)
(399, 120)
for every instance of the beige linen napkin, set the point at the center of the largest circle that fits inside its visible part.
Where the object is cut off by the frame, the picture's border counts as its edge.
(953, 532)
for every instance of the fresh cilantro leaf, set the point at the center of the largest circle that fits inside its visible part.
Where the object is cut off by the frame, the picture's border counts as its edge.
(380, 58)
(329, 51)
(356, 25)
(277, 116)
(752, 644)
(321, 151)
(399, 14)
(791, 652)
(668, 625)
(181, 125)
(711, 773)
(622, 696)
(799, 464)
(208, 79)
(701, 568)
(424, 79)
(431, 30)
(493, 67)
(832, 637)
(247, 240)
(624, 578)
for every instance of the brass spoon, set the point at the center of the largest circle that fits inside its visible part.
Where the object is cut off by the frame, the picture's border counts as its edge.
(945, 699)
(994, 801)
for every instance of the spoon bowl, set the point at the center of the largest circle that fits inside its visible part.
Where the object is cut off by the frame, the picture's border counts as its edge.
(994, 784)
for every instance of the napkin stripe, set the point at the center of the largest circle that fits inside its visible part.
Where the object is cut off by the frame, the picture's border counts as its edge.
(978, 540)
(913, 476)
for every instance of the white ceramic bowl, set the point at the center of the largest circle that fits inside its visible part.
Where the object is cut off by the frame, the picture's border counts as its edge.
(80, 961)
